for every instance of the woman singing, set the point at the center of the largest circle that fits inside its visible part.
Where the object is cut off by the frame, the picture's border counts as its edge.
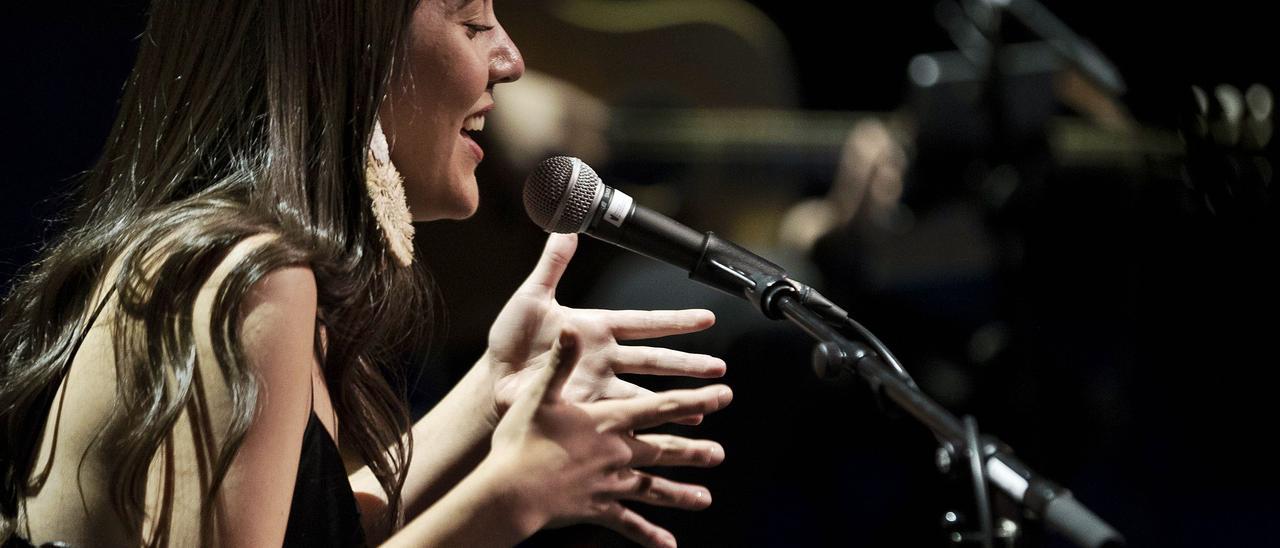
(207, 355)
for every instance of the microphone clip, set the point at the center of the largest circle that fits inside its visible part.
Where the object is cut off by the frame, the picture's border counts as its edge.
(730, 268)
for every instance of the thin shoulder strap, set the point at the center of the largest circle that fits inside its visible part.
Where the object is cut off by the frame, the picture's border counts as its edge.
(311, 383)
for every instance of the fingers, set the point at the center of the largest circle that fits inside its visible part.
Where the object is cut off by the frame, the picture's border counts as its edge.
(549, 382)
(552, 264)
(635, 527)
(665, 450)
(649, 411)
(564, 355)
(691, 420)
(648, 360)
(659, 491)
(648, 324)
(629, 484)
(620, 389)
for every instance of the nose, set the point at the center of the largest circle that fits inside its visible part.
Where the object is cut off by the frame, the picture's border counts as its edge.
(505, 62)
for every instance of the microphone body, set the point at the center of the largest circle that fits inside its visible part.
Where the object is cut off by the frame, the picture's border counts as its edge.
(624, 223)
(565, 195)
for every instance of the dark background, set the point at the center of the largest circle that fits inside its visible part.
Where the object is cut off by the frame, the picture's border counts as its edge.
(1138, 305)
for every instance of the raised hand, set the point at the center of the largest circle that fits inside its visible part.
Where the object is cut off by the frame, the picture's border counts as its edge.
(522, 337)
(573, 462)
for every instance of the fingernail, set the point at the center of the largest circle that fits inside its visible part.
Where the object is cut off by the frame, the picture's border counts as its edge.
(724, 396)
(721, 368)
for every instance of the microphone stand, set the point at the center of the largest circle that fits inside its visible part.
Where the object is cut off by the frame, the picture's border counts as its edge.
(989, 461)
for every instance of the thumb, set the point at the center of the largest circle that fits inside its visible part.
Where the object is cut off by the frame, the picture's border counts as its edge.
(553, 262)
(550, 380)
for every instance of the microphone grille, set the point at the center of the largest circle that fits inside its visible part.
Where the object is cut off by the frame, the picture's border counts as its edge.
(555, 199)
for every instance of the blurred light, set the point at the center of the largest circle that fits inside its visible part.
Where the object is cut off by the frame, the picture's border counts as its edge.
(924, 70)
(1260, 102)
(1000, 184)
(1199, 125)
(1201, 98)
(1258, 126)
(988, 342)
(1008, 529)
(1226, 130)
(1231, 101)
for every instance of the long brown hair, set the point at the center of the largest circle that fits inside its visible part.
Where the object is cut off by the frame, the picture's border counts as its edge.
(240, 117)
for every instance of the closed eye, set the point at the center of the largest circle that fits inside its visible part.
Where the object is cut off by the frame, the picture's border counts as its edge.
(473, 29)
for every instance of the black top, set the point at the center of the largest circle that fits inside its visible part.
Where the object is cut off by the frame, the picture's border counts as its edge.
(323, 511)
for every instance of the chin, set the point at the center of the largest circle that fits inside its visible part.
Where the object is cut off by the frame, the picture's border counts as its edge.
(454, 208)
(445, 215)
(464, 213)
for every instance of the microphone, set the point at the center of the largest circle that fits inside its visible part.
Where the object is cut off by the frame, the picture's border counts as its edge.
(565, 195)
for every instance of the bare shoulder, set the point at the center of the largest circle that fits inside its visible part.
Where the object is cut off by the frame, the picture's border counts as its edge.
(284, 297)
(278, 319)
(290, 283)
(277, 328)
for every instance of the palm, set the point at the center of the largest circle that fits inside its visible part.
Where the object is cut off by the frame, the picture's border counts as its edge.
(516, 359)
(522, 337)
(576, 462)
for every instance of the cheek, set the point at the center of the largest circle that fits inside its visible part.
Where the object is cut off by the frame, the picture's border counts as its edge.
(437, 166)
(425, 112)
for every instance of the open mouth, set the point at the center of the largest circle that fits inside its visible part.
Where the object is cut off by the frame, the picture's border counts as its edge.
(474, 123)
(471, 127)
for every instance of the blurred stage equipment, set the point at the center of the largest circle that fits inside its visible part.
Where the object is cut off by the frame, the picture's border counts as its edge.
(1227, 134)
(986, 135)
(565, 195)
(990, 110)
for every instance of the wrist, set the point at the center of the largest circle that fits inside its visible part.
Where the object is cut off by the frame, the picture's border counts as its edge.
(491, 413)
(503, 478)
(487, 508)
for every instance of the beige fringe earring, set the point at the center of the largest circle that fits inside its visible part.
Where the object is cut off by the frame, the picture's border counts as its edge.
(386, 191)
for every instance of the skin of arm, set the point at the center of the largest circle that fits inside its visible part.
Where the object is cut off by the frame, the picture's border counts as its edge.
(253, 503)
(549, 460)
(448, 443)
(454, 436)
(258, 491)
(555, 462)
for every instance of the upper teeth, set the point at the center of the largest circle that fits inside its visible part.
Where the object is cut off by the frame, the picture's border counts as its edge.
(474, 123)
